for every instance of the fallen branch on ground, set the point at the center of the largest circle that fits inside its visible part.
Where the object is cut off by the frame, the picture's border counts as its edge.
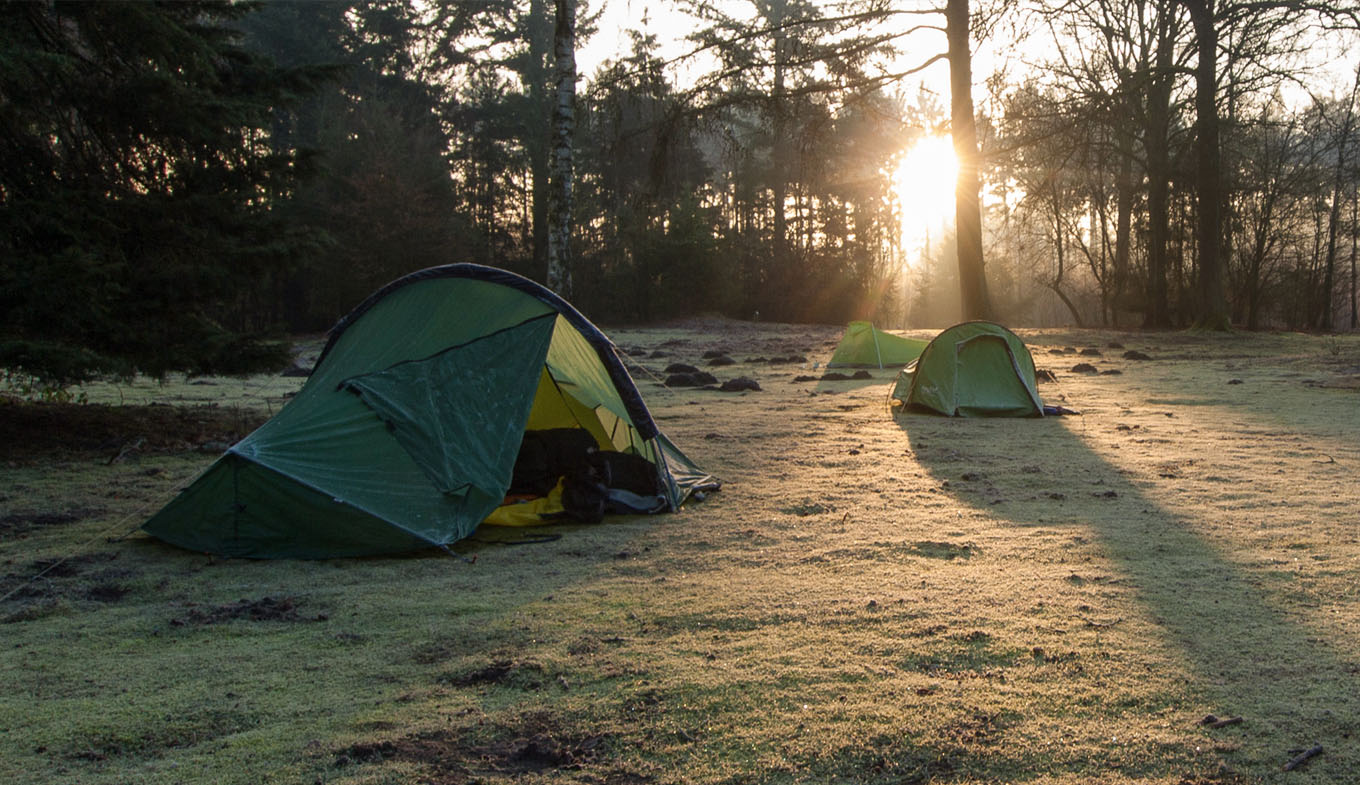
(128, 448)
(1303, 757)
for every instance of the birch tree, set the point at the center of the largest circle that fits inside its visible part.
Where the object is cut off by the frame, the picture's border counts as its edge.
(564, 131)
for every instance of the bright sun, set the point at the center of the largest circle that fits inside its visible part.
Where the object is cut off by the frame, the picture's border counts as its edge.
(924, 182)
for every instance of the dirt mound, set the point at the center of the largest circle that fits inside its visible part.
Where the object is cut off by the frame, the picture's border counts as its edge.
(263, 609)
(536, 747)
(526, 675)
(24, 521)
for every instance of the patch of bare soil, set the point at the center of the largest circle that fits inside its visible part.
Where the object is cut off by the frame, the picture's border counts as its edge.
(43, 431)
(943, 550)
(525, 675)
(71, 567)
(19, 523)
(1220, 778)
(263, 609)
(53, 572)
(536, 746)
(47, 583)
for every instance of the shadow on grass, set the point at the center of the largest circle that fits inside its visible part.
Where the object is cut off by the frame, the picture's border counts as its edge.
(1251, 655)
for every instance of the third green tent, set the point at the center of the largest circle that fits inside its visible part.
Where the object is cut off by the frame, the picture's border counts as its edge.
(866, 346)
(974, 369)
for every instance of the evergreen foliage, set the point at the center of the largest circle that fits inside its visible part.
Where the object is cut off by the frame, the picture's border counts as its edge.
(137, 190)
(381, 194)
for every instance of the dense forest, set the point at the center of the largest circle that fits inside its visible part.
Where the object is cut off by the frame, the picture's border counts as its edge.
(181, 179)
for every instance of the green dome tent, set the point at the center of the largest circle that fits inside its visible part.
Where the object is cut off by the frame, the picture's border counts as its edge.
(974, 369)
(866, 346)
(406, 433)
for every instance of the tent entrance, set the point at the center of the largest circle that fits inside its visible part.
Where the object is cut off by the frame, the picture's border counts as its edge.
(461, 415)
(987, 379)
(557, 405)
(554, 407)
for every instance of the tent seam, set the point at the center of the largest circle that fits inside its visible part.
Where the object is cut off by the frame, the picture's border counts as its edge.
(341, 384)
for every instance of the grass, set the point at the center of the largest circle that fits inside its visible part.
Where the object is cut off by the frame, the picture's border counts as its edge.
(870, 598)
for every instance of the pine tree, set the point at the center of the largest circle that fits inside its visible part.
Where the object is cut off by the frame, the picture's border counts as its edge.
(136, 188)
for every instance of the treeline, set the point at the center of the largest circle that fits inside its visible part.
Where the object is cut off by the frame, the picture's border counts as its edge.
(180, 179)
(1097, 168)
(433, 147)
(761, 184)
(139, 191)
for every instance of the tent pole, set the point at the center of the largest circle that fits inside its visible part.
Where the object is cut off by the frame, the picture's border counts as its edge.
(877, 353)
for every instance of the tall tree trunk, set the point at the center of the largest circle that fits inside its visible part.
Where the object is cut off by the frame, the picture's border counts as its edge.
(1229, 175)
(1100, 237)
(1312, 303)
(967, 203)
(564, 128)
(1355, 238)
(1213, 306)
(1123, 226)
(536, 78)
(1155, 143)
(779, 158)
(1252, 282)
(1334, 219)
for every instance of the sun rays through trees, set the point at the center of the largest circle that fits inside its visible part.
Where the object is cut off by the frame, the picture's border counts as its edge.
(200, 174)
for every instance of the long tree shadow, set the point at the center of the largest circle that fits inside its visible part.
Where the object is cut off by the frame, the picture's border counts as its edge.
(1250, 650)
